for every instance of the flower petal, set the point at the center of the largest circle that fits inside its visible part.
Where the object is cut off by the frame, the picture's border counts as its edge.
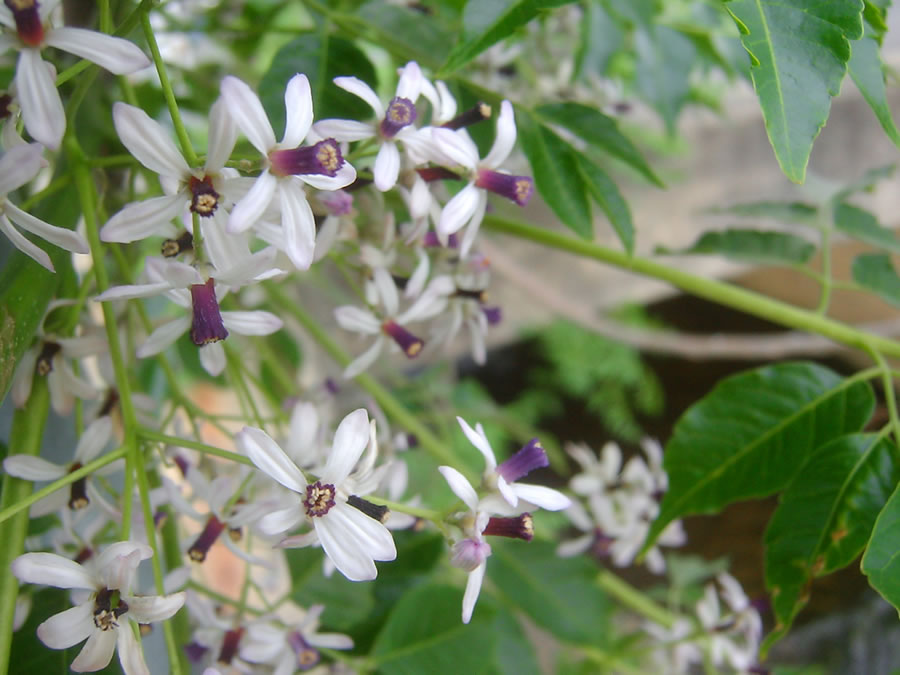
(282, 520)
(150, 144)
(247, 211)
(32, 468)
(212, 358)
(140, 220)
(163, 336)
(459, 210)
(58, 236)
(331, 640)
(387, 290)
(270, 458)
(359, 88)
(252, 323)
(344, 130)
(51, 570)
(22, 243)
(546, 498)
(299, 225)
(357, 320)
(344, 177)
(131, 658)
(479, 440)
(94, 439)
(338, 535)
(350, 440)
(247, 112)
(410, 83)
(42, 109)
(387, 166)
(151, 608)
(222, 137)
(116, 55)
(68, 628)
(19, 165)
(456, 147)
(298, 105)
(505, 139)
(473, 588)
(460, 485)
(364, 360)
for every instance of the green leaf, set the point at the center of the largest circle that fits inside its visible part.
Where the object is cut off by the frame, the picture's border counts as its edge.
(346, 603)
(825, 518)
(556, 174)
(486, 22)
(799, 52)
(321, 59)
(601, 37)
(881, 562)
(558, 594)
(862, 225)
(607, 195)
(783, 212)
(771, 248)
(425, 634)
(664, 61)
(514, 654)
(876, 272)
(423, 37)
(599, 131)
(867, 71)
(865, 183)
(749, 436)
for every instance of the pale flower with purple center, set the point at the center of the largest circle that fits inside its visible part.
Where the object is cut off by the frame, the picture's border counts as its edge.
(27, 31)
(352, 540)
(105, 606)
(288, 166)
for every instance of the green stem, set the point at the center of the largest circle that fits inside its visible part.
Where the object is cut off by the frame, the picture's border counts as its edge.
(632, 598)
(183, 138)
(890, 395)
(610, 662)
(709, 289)
(427, 514)
(25, 436)
(32, 497)
(150, 435)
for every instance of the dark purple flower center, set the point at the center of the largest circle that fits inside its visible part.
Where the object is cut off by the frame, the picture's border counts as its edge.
(338, 202)
(307, 655)
(195, 651)
(433, 173)
(204, 198)
(207, 325)
(319, 499)
(324, 159)
(520, 527)
(494, 315)
(517, 188)
(108, 607)
(45, 359)
(532, 456)
(409, 343)
(477, 113)
(431, 239)
(5, 103)
(230, 643)
(84, 555)
(28, 21)
(78, 498)
(200, 548)
(401, 112)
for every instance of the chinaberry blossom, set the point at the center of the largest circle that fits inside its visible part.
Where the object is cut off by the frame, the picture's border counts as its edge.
(352, 540)
(18, 166)
(288, 166)
(394, 122)
(200, 190)
(28, 32)
(104, 609)
(458, 151)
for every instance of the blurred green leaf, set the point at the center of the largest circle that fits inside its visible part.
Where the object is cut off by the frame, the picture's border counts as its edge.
(514, 653)
(607, 195)
(783, 212)
(424, 37)
(825, 518)
(881, 562)
(757, 246)
(862, 225)
(601, 37)
(866, 182)
(751, 434)
(875, 272)
(665, 58)
(867, 71)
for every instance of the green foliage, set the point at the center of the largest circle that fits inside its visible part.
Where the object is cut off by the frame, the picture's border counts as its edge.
(862, 225)
(751, 434)
(662, 72)
(425, 38)
(799, 53)
(881, 563)
(783, 212)
(756, 246)
(867, 71)
(876, 272)
(825, 517)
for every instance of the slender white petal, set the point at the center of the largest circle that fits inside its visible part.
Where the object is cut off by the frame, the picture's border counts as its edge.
(19, 165)
(357, 320)
(506, 137)
(300, 540)
(364, 360)
(474, 224)
(151, 608)
(32, 468)
(473, 588)
(367, 533)
(116, 55)
(222, 136)
(456, 147)
(299, 225)
(118, 562)
(459, 210)
(51, 570)
(140, 220)
(42, 109)
(97, 651)
(280, 521)
(347, 556)
(298, 105)
(24, 376)
(270, 458)
(59, 236)
(546, 498)
(461, 487)
(344, 177)
(94, 439)
(330, 640)
(387, 166)
(252, 323)
(164, 336)
(130, 291)
(68, 628)
(251, 208)
(22, 243)
(359, 88)
(387, 290)
(479, 440)
(247, 112)
(410, 83)
(131, 658)
(569, 549)
(150, 144)
(350, 440)
(212, 358)
(344, 130)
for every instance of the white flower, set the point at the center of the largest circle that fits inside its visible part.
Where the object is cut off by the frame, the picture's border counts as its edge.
(18, 166)
(42, 109)
(394, 122)
(200, 190)
(467, 207)
(288, 166)
(102, 616)
(502, 478)
(352, 540)
(734, 635)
